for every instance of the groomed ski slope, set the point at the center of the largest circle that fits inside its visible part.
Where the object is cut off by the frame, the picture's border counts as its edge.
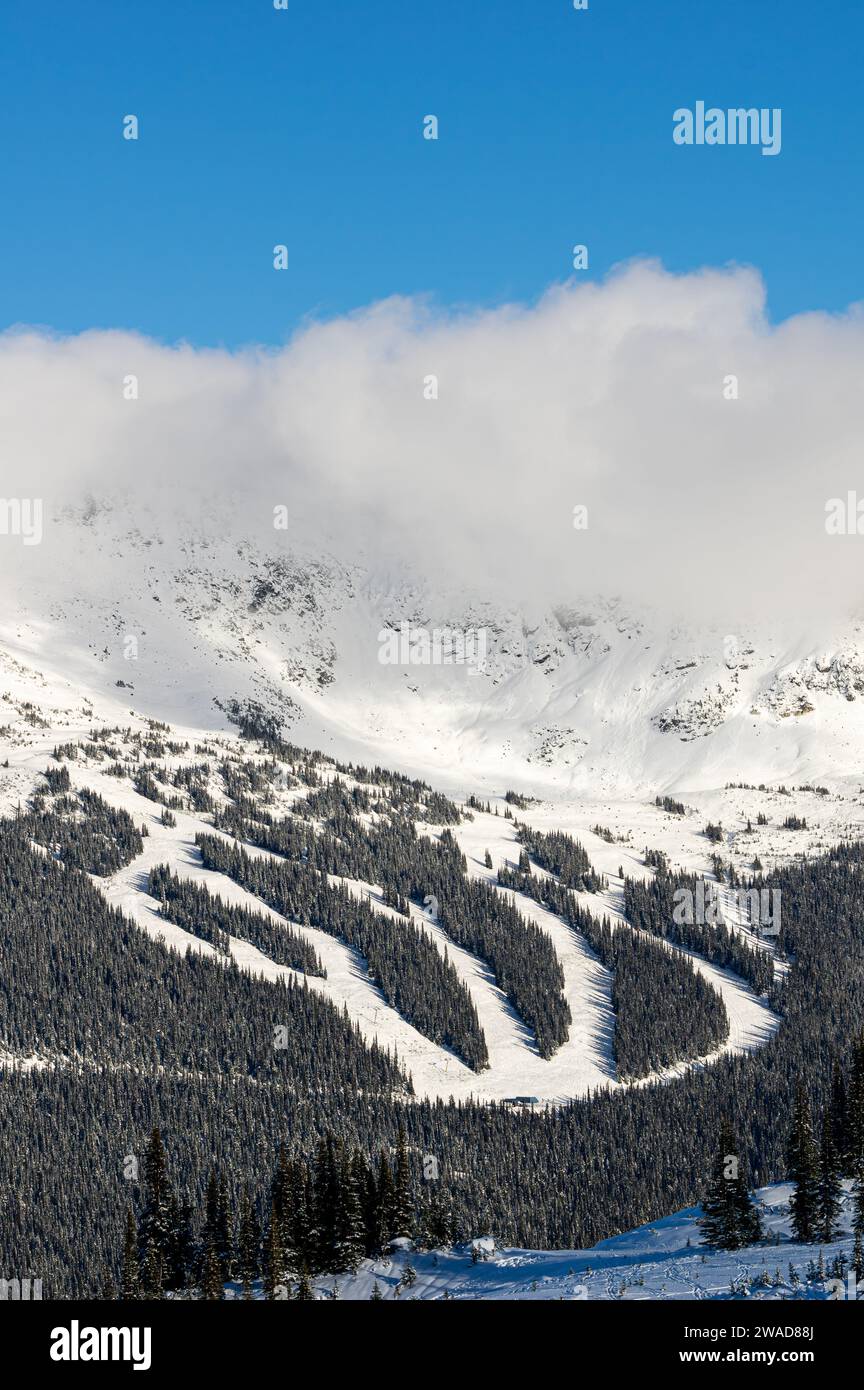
(583, 1063)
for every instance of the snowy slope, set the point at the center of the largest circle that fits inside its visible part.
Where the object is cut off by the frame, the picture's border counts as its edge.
(582, 700)
(661, 1260)
(113, 621)
(44, 711)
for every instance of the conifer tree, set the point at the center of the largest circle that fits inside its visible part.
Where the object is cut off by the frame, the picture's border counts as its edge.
(152, 1272)
(403, 1195)
(369, 1198)
(858, 1225)
(840, 1117)
(279, 1188)
(225, 1243)
(211, 1272)
(350, 1235)
(179, 1255)
(326, 1201)
(297, 1235)
(248, 1243)
(729, 1218)
(210, 1231)
(129, 1278)
(439, 1221)
(803, 1163)
(830, 1191)
(158, 1222)
(385, 1204)
(854, 1155)
(274, 1256)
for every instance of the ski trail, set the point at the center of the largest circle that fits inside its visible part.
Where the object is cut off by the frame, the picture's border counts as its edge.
(582, 1064)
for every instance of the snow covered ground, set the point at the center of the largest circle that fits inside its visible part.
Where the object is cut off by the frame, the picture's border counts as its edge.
(42, 707)
(588, 699)
(583, 1063)
(661, 1260)
(56, 699)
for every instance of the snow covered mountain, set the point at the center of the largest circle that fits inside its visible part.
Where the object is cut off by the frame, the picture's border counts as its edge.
(592, 696)
(110, 626)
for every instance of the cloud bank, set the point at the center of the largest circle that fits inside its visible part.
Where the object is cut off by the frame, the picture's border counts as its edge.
(615, 396)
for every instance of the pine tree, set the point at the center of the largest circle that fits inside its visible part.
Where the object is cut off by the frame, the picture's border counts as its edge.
(179, 1254)
(129, 1278)
(158, 1222)
(385, 1205)
(729, 1218)
(840, 1117)
(403, 1196)
(210, 1230)
(854, 1156)
(369, 1201)
(439, 1222)
(297, 1224)
(274, 1255)
(152, 1272)
(349, 1246)
(326, 1200)
(225, 1243)
(858, 1225)
(305, 1292)
(211, 1272)
(248, 1243)
(830, 1191)
(803, 1166)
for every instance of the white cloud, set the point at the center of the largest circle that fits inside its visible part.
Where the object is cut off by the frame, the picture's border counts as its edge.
(609, 395)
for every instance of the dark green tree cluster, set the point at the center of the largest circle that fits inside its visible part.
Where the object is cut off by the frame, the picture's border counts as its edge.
(665, 1011)
(729, 1218)
(820, 1157)
(83, 831)
(205, 915)
(145, 784)
(414, 867)
(319, 1214)
(562, 856)
(413, 975)
(81, 982)
(651, 906)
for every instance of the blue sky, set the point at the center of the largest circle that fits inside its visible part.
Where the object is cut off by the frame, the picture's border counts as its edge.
(304, 127)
